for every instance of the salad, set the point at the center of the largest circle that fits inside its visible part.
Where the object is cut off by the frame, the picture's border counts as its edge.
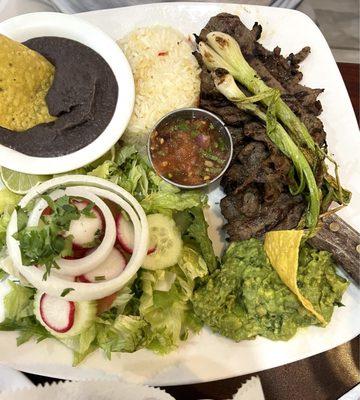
(181, 284)
(154, 309)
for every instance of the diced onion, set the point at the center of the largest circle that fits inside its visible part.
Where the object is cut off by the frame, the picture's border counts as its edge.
(55, 285)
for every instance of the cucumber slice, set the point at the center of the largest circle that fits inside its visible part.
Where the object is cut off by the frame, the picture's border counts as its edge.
(85, 313)
(166, 239)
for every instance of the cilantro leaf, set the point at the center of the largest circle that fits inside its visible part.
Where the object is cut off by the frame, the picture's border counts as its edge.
(49, 200)
(22, 218)
(45, 243)
(87, 210)
(66, 291)
(28, 327)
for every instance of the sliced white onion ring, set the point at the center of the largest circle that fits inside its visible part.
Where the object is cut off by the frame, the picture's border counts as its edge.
(85, 264)
(55, 285)
(7, 265)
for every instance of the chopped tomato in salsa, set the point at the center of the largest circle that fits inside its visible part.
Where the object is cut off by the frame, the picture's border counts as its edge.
(188, 151)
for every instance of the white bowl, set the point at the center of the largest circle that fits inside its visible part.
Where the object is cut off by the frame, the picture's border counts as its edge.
(28, 26)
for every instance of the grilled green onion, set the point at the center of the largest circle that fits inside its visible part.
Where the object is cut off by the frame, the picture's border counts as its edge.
(223, 51)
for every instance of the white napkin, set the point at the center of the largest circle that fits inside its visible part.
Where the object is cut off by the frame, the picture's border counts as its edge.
(91, 390)
(250, 390)
(10, 379)
(114, 390)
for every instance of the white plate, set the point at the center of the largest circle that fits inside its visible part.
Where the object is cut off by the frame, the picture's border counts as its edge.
(207, 356)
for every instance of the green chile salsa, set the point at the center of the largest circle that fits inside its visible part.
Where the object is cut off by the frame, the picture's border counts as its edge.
(188, 151)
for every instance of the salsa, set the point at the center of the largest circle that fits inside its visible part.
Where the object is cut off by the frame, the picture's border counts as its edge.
(188, 151)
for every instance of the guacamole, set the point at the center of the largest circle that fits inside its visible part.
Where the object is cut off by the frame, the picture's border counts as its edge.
(246, 298)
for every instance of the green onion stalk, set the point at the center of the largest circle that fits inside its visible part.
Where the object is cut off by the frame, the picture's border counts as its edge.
(222, 51)
(226, 85)
(229, 51)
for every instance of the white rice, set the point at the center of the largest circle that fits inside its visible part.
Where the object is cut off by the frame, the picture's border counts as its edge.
(163, 83)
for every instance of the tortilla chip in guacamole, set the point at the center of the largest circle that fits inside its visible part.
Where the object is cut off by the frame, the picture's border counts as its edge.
(282, 249)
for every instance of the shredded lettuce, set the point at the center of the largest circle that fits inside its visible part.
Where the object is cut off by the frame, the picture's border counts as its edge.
(131, 171)
(4, 221)
(164, 311)
(112, 331)
(105, 170)
(192, 264)
(124, 154)
(28, 328)
(122, 299)
(165, 201)
(8, 201)
(162, 186)
(161, 279)
(196, 234)
(81, 345)
(125, 334)
(103, 332)
(169, 312)
(154, 311)
(18, 305)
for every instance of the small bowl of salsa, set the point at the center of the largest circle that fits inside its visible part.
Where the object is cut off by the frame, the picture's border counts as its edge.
(190, 148)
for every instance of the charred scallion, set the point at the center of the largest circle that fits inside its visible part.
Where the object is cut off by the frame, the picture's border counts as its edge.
(223, 51)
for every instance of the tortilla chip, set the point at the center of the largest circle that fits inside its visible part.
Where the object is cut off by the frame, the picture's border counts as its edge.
(282, 249)
(25, 78)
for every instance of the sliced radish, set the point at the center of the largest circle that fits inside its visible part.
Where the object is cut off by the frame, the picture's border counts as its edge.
(77, 252)
(125, 235)
(82, 279)
(58, 314)
(47, 211)
(85, 228)
(48, 311)
(81, 228)
(113, 207)
(109, 269)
